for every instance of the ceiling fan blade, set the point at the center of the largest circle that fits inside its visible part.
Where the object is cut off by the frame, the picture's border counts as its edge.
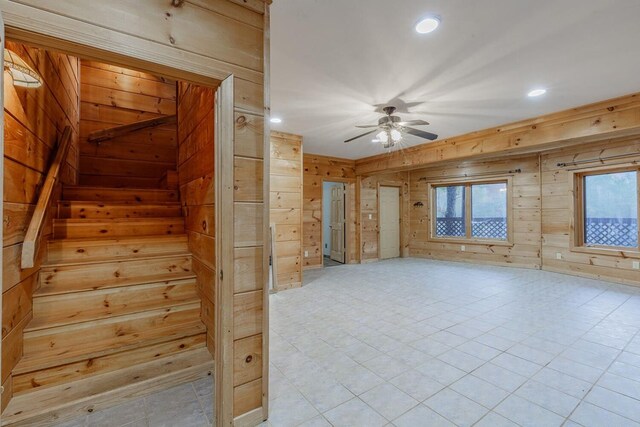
(421, 133)
(413, 123)
(360, 136)
(367, 126)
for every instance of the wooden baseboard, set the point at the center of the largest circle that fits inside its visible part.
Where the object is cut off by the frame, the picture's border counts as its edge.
(250, 419)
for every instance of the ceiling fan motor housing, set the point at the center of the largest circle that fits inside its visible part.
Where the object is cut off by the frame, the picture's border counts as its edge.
(386, 120)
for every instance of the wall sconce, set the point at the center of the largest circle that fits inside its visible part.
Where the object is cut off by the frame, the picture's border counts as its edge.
(21, 73)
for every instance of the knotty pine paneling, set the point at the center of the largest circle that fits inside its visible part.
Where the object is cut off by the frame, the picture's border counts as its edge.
(34, 120)
(112, 96)
(526, 204)
(369, 215)
(195, 106)
(557, 200)
(285, 200)
(317, 169)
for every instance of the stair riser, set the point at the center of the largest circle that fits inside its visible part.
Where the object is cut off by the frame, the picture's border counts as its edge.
(45, 378)
(81, 210)
(82, 277)
(78, 230)
(57, 310)
(68, 344)
(120, 195)
(66, 251)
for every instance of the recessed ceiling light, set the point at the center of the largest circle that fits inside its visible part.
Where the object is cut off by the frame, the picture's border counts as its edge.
(536, 92)
(375, 140)
(428, 24)
(276, 120)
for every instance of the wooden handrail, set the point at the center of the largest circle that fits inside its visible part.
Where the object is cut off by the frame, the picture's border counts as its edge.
(30, 244)
(104, 134)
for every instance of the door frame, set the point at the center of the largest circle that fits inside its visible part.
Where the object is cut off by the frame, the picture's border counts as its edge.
(347, 216)
(401, 200)
(52, 37)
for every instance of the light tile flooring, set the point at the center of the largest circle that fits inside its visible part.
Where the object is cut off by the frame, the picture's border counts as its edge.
(187, 405)
(427, 343)
(412, 343)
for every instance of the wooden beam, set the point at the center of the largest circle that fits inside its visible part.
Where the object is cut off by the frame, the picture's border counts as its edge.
(606, 119)
(116, 131)
(32, 237)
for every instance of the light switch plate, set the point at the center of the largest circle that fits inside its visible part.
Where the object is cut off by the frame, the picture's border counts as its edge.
(636, 265)
(558, 255)
(463, 248)
(306, 254)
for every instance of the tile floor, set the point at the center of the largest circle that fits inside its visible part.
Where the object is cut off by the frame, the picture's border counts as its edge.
(187, 405)
(411, 343)
(428, 343)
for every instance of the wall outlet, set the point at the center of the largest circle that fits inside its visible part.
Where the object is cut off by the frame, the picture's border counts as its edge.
(306, 254)
(636, 265)
(558, 255)
(370, 216)
(463, 248)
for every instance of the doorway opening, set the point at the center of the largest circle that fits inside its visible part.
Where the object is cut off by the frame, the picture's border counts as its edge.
(124, 251)
(333, 223)
(389, 208)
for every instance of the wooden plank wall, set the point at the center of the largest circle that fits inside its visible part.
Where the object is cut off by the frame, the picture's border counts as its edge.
(525, 251)
(34, 120)
(112, 96)
(369, 217)
(557, 198)
(200, 41)
(197, 191)
(286, 207)
(317, 169)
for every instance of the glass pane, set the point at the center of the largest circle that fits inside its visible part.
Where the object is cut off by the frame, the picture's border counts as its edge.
(611, 209)
(450, 217)
(489, 211)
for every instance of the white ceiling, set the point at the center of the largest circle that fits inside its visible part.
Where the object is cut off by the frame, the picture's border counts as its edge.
(334, 62)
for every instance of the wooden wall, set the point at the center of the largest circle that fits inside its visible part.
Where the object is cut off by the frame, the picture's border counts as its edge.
(197, 191)
(557, 198)
(204, 42)
(317, 169)
(525, 250)
(369, 217)
(34, 121)
(112, 96)
(286, 208)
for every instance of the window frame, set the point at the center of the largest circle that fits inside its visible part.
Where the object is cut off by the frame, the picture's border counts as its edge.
(469, 239)
(577, 234)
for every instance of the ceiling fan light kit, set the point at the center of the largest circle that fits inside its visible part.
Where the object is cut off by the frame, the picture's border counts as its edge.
(391, 129)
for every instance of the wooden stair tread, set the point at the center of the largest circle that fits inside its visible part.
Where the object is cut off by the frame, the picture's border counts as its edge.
(62, 251)
(118, 210)
(105, 260)
(77, 307)
(117, 227)
(158, 278)
(70, 343)
(104, 194)
(43, 407)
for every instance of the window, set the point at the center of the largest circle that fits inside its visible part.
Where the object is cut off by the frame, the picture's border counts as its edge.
(609, 209)
(473, 211)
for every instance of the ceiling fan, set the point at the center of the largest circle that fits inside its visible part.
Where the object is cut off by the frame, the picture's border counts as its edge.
(391, 128)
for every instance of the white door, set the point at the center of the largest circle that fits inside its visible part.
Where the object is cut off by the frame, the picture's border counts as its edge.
(389, 222)
(337, 223)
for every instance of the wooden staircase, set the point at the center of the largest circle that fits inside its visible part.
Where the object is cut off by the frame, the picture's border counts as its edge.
(116, 314)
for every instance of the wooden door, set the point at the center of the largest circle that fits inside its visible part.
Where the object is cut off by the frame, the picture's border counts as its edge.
(337, 223)
(389, 222)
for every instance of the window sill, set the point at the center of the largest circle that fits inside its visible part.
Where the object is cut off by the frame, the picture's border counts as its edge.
(483, 242)
(598, 250)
